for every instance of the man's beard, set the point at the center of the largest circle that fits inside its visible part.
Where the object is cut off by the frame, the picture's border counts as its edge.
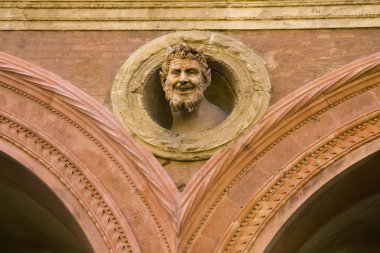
(187, 101)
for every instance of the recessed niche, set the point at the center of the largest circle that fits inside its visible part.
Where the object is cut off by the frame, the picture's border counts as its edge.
(240, 86)
(220, 92)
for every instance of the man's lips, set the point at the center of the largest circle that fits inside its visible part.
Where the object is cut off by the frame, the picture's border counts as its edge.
(184, 88)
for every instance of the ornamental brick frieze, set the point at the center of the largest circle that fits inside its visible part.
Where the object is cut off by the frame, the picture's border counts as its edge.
(131, 202)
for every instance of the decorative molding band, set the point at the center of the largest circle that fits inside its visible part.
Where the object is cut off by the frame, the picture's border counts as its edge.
(73, 178)
(296, 175)
(192, 15)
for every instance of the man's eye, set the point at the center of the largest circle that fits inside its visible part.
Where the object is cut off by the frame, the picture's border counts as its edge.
(174, 72)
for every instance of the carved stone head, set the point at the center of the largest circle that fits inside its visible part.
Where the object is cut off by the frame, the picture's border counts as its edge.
(185, 76)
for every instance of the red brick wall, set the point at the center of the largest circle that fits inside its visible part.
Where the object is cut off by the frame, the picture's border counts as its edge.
(296, 57)
(91, 59)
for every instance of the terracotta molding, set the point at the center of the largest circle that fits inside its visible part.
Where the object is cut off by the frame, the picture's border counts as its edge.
(318, 181)
(145, 174)
(291, 179)
(223, 171)
(193, 15)
(81, 186)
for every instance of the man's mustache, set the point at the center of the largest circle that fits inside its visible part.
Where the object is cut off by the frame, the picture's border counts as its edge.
(183, 85)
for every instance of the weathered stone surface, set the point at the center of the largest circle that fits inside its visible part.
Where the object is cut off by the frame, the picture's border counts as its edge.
(188, 15)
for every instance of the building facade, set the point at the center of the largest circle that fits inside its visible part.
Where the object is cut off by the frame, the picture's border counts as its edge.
(301, 177)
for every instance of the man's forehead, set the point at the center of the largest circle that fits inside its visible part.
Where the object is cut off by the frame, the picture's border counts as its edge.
(184, 63)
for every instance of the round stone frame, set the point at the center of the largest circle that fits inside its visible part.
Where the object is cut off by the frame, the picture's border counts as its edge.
(250, 83)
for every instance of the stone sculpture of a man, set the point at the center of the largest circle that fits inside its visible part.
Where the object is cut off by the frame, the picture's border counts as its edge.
(185, 75)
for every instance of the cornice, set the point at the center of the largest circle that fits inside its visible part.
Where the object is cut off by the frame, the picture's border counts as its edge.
(187, 15)
(177, 4)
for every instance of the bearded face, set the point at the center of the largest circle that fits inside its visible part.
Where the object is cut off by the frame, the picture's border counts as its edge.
(184, 85)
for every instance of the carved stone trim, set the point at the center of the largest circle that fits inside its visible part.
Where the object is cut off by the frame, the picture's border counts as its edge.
(294, 177)
(73, 179)
(187, 15)
(249, 81)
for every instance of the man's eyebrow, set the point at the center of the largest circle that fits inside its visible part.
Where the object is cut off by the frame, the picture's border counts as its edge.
(172, 70)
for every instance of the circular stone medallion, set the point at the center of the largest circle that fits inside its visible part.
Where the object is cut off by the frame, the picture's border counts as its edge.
(240, 86)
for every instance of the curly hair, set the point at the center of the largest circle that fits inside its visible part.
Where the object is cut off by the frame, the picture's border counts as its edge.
(184, 51)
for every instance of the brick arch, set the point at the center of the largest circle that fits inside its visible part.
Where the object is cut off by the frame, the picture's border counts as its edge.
(321, 183)
(346, 146)
(79, 150)
(299, 137)
(38, 168)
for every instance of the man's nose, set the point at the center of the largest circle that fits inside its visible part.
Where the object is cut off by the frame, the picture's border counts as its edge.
(183, 77)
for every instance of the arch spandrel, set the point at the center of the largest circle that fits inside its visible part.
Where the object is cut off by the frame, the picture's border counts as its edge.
(82, 145)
